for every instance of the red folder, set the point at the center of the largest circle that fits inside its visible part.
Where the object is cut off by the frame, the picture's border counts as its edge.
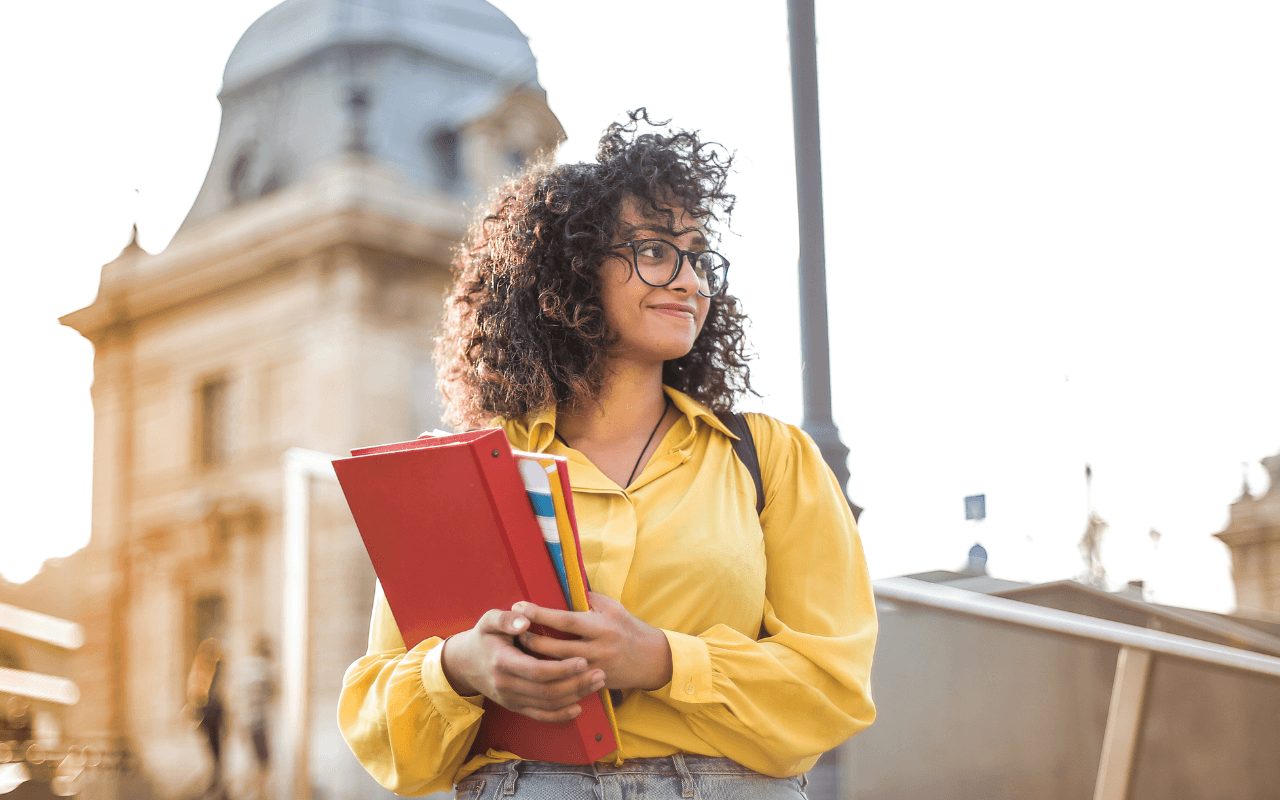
(450, 532)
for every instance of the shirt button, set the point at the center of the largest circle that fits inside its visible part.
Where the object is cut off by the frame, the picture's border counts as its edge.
(688, 689)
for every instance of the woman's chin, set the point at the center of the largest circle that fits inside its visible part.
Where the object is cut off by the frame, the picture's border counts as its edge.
(654, 355)
(675, 351)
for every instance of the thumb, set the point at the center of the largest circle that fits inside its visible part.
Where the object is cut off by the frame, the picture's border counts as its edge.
(509, 623)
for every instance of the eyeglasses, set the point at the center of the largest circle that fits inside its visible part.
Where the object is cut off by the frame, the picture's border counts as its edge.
(658, 261)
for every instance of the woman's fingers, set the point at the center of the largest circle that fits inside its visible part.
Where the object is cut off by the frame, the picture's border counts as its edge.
(547, 689)
(602, 602)
(539, 670)
(523, 681)
(575, 622)
(551, 647)
(520, 693)
(560, 715)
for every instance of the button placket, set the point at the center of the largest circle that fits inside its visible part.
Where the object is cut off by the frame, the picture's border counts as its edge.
(618, 549)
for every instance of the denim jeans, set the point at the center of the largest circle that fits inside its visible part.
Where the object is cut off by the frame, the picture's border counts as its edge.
(678, 776)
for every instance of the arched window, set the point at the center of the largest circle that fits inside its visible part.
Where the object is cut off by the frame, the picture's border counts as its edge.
(238, 177)
(446, 150)
(213, 427)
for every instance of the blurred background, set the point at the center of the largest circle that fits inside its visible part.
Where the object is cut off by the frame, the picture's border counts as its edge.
(1050, 255)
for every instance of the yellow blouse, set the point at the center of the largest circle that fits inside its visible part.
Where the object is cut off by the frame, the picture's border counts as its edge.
(683, 549)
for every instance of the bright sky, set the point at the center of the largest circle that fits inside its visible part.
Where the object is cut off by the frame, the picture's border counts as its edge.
(1051, 241)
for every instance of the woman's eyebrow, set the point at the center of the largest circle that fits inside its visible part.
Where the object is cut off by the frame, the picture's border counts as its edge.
(632, 230)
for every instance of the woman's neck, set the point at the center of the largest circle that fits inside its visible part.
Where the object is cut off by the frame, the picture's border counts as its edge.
(629, 403)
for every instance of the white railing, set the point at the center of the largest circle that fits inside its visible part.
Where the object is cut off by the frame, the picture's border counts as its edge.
(36, 686)
(49, 630)
(41, 627)
(1133, 666)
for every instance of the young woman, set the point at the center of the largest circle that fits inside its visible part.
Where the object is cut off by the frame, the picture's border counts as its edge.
(589, 316)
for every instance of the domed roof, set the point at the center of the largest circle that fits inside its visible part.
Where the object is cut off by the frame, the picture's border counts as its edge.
(469, 32)
(397, 81)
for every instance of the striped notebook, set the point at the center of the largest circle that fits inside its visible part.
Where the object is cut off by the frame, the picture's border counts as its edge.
(537, 476)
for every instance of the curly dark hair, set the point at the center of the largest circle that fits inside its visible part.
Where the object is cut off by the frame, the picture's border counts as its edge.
(523, 324)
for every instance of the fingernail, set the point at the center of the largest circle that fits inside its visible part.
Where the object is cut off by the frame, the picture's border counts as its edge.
(519, 622)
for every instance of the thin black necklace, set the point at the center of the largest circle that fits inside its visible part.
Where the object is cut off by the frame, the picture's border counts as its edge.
(665, 405)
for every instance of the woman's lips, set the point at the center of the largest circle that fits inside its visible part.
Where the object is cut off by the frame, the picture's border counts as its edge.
(680, 312)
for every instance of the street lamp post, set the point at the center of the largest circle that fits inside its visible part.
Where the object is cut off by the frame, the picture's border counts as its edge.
(814, 346)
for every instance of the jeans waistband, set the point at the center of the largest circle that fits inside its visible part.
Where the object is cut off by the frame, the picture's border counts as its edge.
(666, 765)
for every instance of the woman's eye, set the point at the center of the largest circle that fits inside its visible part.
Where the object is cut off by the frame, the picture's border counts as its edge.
(653, 251)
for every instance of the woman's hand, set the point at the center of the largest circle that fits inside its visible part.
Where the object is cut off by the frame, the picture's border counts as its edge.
(485, 660)
(631, 653)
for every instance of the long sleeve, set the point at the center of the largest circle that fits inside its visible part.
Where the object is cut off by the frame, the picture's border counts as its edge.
(403, 721)
(776, 704)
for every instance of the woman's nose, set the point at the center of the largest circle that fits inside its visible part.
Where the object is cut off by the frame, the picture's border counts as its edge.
(686, 279)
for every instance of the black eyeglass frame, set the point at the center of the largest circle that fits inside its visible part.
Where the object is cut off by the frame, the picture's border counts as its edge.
(681, 255)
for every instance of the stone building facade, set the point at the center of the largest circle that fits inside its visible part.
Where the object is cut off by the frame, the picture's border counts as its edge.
(1253, 534)
(295, 307)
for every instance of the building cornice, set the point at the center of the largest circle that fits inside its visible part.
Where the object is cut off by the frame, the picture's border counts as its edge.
(349, 203)
(1237, 537)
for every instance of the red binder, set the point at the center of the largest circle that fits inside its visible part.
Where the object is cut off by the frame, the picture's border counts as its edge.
(450, 532)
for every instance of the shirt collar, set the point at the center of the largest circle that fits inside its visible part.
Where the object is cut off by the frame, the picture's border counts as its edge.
(693, 411)
(538, 430)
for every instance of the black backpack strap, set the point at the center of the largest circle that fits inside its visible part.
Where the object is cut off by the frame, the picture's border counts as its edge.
(745, 448)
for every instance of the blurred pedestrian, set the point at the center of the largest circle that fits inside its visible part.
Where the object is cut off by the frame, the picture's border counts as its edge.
(258, 687)
(204, 697)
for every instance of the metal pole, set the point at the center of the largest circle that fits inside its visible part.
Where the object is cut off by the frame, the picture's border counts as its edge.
(815, 359)
(814, 349)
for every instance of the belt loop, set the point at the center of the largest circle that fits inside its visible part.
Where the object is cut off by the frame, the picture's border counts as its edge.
(509, 779)
(686, 778)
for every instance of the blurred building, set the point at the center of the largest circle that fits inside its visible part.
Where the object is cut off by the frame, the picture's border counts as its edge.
(974, 705)
(1253, 534)
(295, 307)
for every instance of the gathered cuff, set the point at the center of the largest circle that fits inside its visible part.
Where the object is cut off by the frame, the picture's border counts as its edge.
(453, 707)
(690, 670)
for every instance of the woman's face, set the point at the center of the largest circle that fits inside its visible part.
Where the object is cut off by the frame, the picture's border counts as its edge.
(653, 324)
